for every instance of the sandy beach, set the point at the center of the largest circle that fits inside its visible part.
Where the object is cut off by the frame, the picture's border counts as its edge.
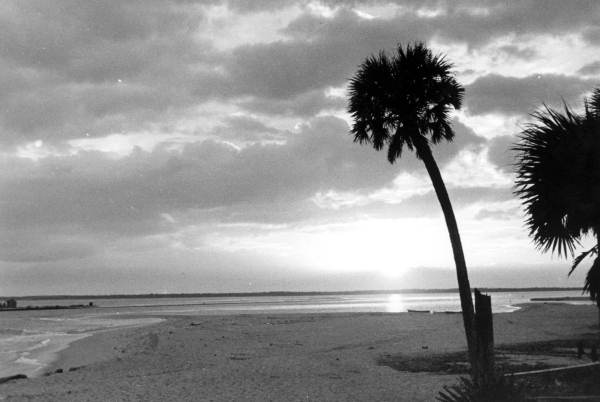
(292, 357)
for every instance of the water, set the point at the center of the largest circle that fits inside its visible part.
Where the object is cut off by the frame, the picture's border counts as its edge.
(30, 340)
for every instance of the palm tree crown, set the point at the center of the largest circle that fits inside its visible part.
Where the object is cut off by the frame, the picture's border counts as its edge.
(558, 181)
(401, 99)
(558, 176)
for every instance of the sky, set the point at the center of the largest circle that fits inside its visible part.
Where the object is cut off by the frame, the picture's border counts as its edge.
(181, 146)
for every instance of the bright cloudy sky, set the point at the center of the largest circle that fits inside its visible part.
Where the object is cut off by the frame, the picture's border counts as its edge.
(180, 146)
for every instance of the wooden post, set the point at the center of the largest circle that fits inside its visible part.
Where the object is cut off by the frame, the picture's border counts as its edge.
(484, 331)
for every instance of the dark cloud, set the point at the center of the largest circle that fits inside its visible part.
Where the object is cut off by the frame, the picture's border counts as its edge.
(592, 68)
(501, 154)
(326, 51)
(36, 247)
(282, 70)
(592, 35)
(65, 33)
(457, 21)
(304, 105)
(99, 67)
(244, 128)
(464, 137)
(526, 53)
(520, 96)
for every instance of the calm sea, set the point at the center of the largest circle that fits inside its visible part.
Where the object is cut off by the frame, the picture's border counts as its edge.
(30, 340)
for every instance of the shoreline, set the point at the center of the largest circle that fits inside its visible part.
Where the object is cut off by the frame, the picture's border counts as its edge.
(98, 346)
(70, 348)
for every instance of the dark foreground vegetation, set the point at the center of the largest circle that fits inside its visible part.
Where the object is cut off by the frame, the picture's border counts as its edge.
(517, 358)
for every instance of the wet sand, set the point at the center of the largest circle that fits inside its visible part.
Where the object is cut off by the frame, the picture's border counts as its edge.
(277, 357)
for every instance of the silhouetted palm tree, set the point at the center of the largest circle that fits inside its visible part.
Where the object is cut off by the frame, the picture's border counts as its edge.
(405, 100)
(558, 181)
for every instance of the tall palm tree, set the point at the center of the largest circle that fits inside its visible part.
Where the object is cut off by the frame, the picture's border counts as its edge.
(405, 100)
(558, 181)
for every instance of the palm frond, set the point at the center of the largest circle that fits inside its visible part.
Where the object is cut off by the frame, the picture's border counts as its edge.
(592, 282)
(581, 257)
(549, 179)
(592, 105)
(396, 144)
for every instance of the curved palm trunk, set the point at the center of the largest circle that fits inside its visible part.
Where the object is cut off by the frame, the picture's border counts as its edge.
(598, 256)
(466, 300)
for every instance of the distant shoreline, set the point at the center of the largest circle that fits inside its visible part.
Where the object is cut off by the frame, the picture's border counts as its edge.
(28, 308)
(284, 293)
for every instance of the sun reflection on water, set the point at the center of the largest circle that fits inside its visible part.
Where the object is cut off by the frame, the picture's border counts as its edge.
(395, 304)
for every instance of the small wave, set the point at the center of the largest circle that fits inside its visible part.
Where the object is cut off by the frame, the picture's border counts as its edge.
(40, 344)
(28, 361)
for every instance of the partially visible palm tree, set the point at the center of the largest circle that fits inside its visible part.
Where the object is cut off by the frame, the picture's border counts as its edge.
(405, 100)
(558, 181)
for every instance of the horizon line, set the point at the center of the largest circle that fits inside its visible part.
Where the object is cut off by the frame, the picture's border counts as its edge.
(287, 293)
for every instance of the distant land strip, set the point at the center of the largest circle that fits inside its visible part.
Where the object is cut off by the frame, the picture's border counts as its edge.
(282, 293)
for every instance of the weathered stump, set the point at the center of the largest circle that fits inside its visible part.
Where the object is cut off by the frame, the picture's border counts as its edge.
(484, 333)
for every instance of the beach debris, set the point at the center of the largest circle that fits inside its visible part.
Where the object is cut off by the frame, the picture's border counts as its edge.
(580, 351)
(578, 367)
(239, 356)
(12, 377)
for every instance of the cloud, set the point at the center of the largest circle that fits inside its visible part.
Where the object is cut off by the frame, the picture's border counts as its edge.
(592, 68)
(107, 68)
(494, 93)
(99, 67)
(304, 105)
(497, 214)
(500, 153)
(525, 53)
(129, 196)
(246, 128)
